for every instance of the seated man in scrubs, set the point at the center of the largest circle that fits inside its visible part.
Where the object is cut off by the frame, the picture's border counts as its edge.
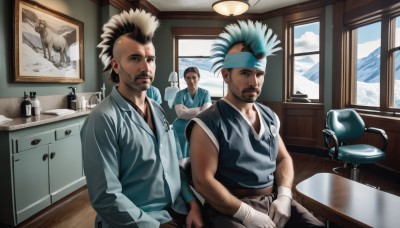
(239, 162)
(129, 151)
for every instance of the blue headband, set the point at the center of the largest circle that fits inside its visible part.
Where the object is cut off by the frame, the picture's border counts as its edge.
(245, 60)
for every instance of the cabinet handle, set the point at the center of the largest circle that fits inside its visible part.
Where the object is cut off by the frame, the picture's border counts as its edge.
(45, 156)
(68, 132)
(52, 155)
(35, 141)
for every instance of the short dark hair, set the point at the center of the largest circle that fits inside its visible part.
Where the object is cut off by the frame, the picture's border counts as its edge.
(191, 69)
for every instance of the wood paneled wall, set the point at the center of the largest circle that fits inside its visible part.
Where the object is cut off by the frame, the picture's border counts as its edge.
(302, 124)
(392, 127)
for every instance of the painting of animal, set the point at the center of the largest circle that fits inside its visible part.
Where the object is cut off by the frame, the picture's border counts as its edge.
(52, 42)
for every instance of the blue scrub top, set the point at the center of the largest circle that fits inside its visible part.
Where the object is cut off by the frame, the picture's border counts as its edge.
(154, 93)
(246, 158)
(132, 174)
(201, 97)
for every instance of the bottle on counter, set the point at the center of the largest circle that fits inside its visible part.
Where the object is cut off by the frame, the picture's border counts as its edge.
(26, 106)
(35, 104)
(71, 99)
(82, 103)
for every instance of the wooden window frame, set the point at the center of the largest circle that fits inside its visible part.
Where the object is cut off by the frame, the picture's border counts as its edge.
(304, 17)
(191, 33)
(386, 62)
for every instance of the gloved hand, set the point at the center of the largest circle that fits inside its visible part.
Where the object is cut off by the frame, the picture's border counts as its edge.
(252, 218)
(281, 207)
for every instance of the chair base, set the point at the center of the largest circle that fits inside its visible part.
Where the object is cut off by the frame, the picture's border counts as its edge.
(354, 174)
(354, 171)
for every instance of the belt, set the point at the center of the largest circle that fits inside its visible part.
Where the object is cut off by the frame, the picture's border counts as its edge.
(248, 192)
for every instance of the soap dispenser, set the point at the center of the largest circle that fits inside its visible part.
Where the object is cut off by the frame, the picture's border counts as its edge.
(71, 98)
(26, 106)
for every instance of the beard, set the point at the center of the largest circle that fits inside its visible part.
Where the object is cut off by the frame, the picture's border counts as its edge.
(247, 95)
(138, 82)
(243, 96)
(141, 80)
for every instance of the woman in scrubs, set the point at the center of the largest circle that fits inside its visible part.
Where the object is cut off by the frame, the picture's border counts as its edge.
(188, 103)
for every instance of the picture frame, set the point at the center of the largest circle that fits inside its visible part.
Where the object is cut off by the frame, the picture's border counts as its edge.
(48, 45)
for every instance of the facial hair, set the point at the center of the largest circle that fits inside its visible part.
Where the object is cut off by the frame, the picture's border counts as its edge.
(240, 94)
(133, 81)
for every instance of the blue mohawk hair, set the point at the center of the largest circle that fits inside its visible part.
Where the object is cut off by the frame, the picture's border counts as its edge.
(256, 36)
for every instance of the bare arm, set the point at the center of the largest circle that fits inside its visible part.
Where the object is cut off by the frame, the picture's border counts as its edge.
(284, 166)
(204, 160)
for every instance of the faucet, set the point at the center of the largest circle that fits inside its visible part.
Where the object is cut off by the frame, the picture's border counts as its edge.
(97, 95)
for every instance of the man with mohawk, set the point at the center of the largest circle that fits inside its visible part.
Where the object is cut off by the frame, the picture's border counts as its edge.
(129, 151)
(239, 162)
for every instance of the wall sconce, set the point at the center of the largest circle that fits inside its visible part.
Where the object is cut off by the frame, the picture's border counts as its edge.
(231, 7)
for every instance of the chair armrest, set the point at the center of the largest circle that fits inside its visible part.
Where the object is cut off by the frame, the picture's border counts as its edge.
(380, 132)
(330, 136)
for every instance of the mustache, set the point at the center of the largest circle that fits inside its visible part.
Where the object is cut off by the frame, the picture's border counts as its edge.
(144, 75)
(252, 89)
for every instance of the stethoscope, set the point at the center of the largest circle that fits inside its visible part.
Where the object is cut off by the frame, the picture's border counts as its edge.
(167, 127)
(273, 132)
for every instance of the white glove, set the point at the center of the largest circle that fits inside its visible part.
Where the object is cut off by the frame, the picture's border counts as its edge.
(252, 218)
(281, 207)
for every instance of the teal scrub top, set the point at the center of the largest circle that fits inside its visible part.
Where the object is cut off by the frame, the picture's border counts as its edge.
(201, 97)
(132, 174)
(154, 93)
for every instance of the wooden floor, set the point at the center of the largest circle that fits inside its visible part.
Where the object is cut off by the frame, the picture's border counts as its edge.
(76, 211)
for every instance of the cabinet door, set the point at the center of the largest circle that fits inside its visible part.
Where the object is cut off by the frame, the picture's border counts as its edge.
(31, 182)
(66, 166)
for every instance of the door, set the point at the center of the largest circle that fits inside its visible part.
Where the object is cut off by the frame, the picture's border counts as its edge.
(66, 166)
(31, 182)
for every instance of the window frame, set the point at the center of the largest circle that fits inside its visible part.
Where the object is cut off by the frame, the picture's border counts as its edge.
(387, 20)
(192, 33)
(291, 20)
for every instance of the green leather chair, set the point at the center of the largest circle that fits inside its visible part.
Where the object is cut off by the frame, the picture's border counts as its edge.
(343, 127)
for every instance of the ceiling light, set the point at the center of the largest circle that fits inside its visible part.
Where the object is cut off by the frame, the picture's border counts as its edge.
(231, 7)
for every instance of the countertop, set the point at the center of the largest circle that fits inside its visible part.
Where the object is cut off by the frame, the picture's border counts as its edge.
(26, 122)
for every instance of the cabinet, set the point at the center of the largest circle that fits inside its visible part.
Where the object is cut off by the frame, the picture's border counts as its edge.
(44, 165)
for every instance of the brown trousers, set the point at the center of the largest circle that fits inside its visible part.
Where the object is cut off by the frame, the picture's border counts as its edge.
(300, 217)
(178, 220)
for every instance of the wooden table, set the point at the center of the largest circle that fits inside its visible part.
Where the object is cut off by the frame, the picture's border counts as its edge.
(348, 203)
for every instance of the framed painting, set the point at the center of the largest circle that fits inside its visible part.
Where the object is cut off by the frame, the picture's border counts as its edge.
(48, 45)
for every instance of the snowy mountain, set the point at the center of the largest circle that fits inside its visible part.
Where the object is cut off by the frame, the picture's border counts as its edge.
(307, 77)
(368, 68)
(368, 78)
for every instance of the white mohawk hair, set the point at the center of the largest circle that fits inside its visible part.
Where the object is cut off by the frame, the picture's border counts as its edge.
(139, 23)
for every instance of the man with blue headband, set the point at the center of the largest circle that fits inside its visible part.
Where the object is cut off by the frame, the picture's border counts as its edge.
(239, 162)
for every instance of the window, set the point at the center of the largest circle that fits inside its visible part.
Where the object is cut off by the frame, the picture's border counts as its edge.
(306, 59)
(303, 55)
(192, 48)
(367, 65)
(395, 69)
(374, 52)
(196, 52)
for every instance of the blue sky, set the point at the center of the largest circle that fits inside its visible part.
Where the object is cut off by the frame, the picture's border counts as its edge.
(369, 32)
(301, 29)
